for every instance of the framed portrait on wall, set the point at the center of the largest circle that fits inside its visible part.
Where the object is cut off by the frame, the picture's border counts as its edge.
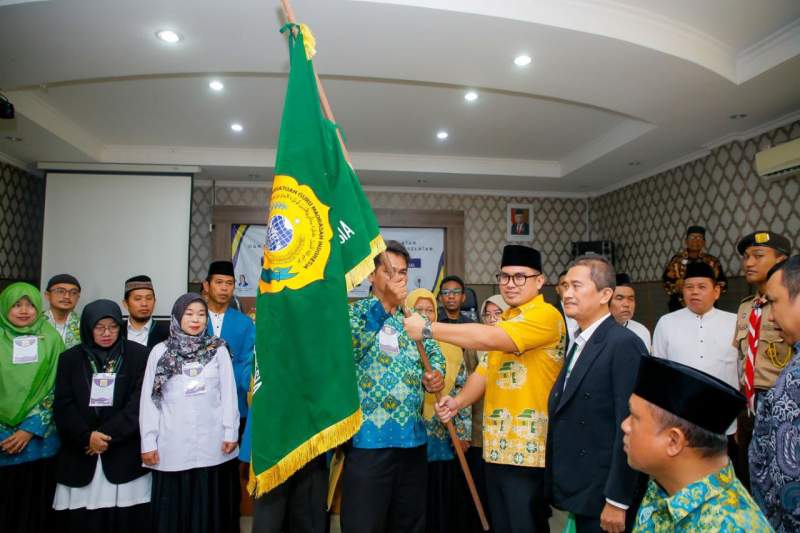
(519, 222)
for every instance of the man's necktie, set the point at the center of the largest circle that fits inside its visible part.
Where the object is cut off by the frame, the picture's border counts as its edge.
(753, 334)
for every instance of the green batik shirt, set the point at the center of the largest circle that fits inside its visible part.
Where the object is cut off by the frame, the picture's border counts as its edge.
(70, 332)
(389, 375)
(716, 503)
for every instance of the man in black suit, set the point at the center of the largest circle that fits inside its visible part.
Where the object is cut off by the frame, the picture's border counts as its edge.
(140, 301)
(587, 471)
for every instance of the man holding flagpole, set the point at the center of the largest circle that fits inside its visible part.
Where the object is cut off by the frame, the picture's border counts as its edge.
(526, 351)
(384, 483)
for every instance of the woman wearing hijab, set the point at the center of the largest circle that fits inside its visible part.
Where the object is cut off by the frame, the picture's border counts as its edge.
(29, 350)
(446, 486)
(189, 421)
(101, 483)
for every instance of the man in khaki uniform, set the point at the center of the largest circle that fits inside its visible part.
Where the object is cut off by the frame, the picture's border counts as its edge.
(764, 352)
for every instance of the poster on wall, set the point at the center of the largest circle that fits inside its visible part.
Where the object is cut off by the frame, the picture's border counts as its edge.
(424, 245)
(426, 265)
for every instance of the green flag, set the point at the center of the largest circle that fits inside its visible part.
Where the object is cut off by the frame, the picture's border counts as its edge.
(322, 238)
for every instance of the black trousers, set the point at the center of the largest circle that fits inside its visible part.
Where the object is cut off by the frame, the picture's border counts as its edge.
(516, 499)
(296, 506)
(384, 490)
(477, 467)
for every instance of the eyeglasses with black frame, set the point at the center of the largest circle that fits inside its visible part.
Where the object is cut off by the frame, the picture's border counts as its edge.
(519, 278)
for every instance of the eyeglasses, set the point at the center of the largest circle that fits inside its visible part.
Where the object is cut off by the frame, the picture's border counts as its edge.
(62, 292)
(451, 292)
(495, 316)
(519, 278)
(100, 329)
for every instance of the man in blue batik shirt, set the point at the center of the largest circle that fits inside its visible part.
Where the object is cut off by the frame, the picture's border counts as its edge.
(775, 448)
(384, 482)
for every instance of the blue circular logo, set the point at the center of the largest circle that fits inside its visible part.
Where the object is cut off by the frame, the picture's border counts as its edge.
(279, 234)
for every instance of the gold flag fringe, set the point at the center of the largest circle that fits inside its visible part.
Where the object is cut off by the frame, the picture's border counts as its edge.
(364, 268)
(323, 441)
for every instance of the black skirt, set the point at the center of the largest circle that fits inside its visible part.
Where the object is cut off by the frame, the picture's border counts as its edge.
(26, 497)
(200, 500)
(133, 519)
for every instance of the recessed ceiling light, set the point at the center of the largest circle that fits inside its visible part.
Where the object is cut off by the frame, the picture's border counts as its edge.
(522, 60)
(737, 116)
(216, 85)
(236, 127)
(635, 163)
(471, 96)
(442, 135)
(169, 36)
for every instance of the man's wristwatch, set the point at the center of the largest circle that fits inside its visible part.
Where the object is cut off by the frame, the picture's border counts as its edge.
(426, 330)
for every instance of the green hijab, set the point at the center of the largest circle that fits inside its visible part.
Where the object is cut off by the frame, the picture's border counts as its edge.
(23, 387)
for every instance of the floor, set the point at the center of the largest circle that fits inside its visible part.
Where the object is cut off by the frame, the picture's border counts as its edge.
(557, 523)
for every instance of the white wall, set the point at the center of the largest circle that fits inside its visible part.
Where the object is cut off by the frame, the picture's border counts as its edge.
(105, 228)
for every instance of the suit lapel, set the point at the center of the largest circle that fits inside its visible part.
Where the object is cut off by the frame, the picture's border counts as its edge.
(585, 361)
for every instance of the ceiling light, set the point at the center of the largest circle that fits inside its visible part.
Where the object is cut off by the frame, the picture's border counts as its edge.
(471, 96)
(216, 85)
(236, 127)
(522, 60)
(169, 36)
(737, 116)
(442, 135)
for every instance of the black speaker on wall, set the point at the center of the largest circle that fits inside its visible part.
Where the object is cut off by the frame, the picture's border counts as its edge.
(604, 248)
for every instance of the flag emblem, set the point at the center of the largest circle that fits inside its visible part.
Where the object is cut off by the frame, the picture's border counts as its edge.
(299, 237)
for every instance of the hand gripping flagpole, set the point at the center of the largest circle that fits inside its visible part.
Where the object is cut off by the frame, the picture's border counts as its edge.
(326, 109)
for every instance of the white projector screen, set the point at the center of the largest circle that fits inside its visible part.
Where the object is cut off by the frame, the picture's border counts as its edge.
(105, 228)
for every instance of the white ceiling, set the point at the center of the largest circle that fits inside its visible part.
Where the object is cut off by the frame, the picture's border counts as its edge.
(611, 82)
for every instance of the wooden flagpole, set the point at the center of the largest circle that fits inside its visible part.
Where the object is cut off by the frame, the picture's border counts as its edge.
(326, 109)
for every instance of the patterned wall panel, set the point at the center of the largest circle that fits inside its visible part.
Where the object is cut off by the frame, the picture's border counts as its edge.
(647, 220)
(21, 224)
(557, 222)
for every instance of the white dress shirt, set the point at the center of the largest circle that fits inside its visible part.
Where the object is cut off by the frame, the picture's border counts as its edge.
(581, 341)
(188, 431)
(572, 325)
(641, 331)
(139, 335)
(216, 322)
(701, 342)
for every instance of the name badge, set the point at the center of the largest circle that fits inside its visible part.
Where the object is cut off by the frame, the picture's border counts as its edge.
(102, 393)
(196, 384)
(388, 340)
(26, 350)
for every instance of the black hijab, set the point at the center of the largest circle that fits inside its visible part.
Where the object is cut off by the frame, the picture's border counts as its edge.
(92, 314)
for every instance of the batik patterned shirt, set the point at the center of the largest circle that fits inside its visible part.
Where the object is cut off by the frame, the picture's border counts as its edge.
(440, 447)
(775, 450)
(70, 332)
(518, 385)
(717, 503)
(676, 270)
(389, 375)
